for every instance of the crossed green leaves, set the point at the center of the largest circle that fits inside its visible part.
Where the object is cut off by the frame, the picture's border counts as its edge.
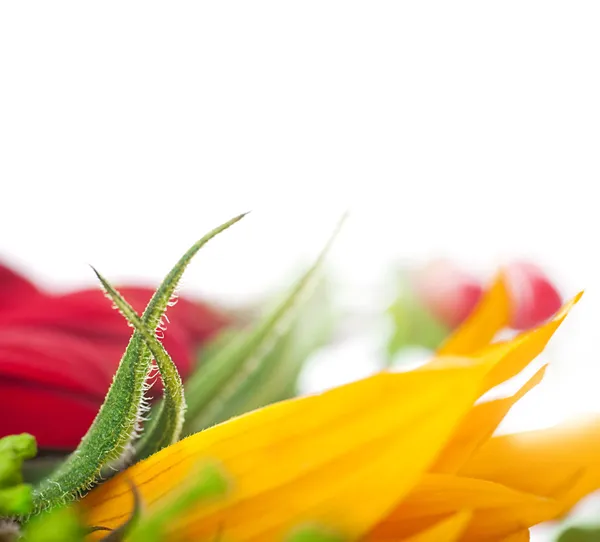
(111, 436)
(235, 378)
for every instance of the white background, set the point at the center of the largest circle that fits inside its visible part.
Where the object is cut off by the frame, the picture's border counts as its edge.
(464, 129)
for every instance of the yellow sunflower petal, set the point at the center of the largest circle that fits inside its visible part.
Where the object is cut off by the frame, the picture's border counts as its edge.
(562, 462)
(521, 536)
(478, 426)
(508, 358)
(516, 354)
(488, 318)
(497, 510)
(448, 530)
(508, 522)
(341, 459)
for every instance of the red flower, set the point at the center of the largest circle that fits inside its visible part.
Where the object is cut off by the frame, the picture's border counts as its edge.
(58, 354)
(447, 291)
(451, 293)
(535, 297)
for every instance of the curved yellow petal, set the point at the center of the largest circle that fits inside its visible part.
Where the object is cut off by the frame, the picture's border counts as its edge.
(438, 494)
(490, 316)
(497, 510)
(521, 536)
(342, 459)
(517, 353)
(478, 426)
(448, 530)
(562, 462)
(508, 522)
(506, 359)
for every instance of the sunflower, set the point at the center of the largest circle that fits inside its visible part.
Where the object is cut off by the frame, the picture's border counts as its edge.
(397, 456)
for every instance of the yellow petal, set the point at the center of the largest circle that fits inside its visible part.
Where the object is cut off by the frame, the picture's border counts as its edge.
(478, 426)
(562, 462)
(516, 354)
(341, 459)
(497, 510)
(488, 318)
(448, 530)
(508, 358)
(521, 536)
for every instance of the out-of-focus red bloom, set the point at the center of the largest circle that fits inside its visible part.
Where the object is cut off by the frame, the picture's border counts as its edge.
(447, 291)
(535, 297)
(451, 294)
(58, 354)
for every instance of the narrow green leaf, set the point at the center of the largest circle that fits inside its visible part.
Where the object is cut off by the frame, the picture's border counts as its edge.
(277, 373)
(173, 403)
(118, 421)
(219, 378)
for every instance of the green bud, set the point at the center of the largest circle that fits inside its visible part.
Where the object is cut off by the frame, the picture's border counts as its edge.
(23, 445)
(10, 469)
(16, 500)
(58, 525)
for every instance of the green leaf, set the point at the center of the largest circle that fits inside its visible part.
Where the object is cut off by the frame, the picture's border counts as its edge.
(210, 484)
(16, 498)
(118, 421)
(172, 413)
(413, 324)
(58, 525)
(10, 470)
(276, 376)
(221, 377)
(23, 445)
(314, 533)
(580, 534)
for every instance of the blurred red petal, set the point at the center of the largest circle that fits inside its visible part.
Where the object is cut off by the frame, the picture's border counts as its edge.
(59, 353)
(53, 359)
(534, 297)
(88, 313)
(448, 291)
(14, 289)
(57, 419)
(84, 311)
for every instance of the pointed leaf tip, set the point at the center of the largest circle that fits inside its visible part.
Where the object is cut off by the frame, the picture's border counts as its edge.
(118, 421)
(214, 387)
